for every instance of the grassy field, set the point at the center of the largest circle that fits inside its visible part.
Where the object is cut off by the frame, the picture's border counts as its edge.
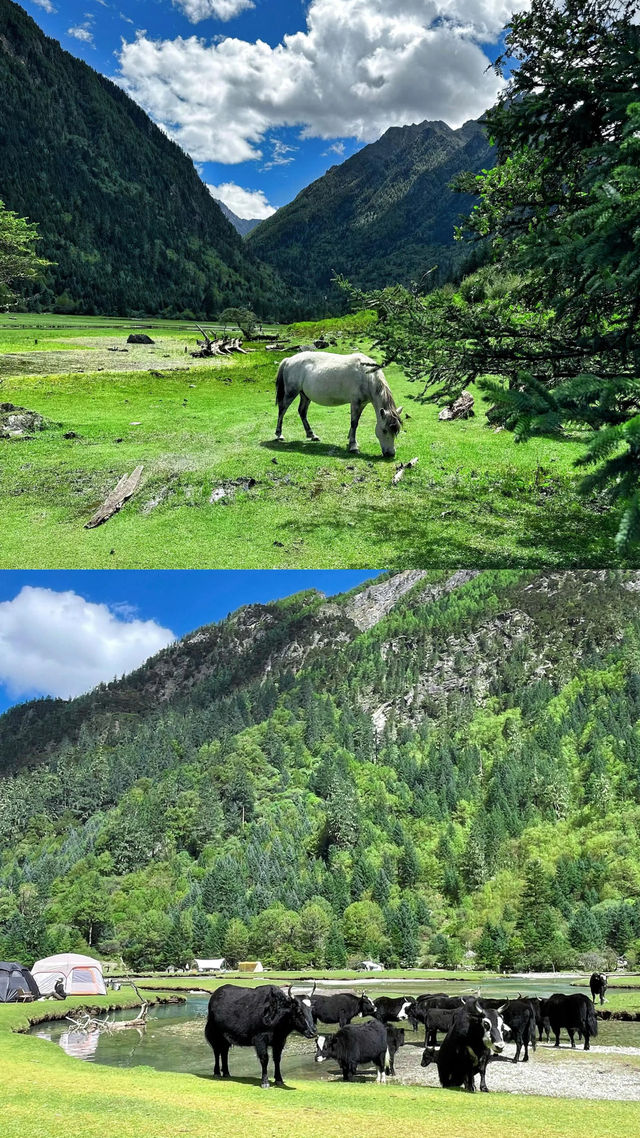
(475, 498)
(623, 993)
(47, 1093)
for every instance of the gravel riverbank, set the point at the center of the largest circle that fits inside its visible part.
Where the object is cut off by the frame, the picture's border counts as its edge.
(602, 1073)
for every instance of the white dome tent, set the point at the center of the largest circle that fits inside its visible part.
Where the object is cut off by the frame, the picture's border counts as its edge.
(80, 975)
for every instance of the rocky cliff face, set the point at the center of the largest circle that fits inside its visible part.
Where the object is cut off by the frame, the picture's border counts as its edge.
(369, 607)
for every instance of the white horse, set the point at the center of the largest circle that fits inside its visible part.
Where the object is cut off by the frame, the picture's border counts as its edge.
(330, 379)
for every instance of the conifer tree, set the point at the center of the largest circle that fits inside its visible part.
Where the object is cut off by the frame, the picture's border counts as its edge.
(556, 314)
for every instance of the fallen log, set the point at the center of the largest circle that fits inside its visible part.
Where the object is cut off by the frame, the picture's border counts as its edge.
(224, 347)
(461, 408)
(114, 501)
(89, 1023)
(401, 469)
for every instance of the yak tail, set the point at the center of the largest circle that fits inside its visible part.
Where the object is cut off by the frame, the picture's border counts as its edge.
(387, 1058)
(280, 383)
(592, 1021)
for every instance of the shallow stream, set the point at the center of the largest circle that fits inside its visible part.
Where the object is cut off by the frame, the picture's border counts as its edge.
(174, 1038)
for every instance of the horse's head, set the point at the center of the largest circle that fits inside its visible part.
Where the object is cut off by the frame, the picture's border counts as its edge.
(387, 429)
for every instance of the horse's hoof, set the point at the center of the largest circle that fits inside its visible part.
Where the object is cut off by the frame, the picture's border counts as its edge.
(314, 438)
(265, 1086)
(279, 1083)
(279, 439)
(354, 450)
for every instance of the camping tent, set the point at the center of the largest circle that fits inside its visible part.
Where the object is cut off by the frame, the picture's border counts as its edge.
(218, 965)
(81, 975)
(250, 966)
(15, 980)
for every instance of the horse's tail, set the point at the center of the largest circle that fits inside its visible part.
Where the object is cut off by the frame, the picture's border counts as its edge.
(280, 383)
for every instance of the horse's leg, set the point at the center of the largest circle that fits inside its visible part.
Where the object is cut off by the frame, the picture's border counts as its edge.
(303, 407)
(356, 411)
(283, 407)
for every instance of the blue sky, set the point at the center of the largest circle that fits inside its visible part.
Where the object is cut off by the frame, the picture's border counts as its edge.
(265, 95)
(63, 632)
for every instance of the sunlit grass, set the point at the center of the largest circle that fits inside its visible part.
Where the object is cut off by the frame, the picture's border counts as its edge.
(474, 498)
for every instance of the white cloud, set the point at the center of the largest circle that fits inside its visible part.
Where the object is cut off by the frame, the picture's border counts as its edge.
(244, 203)
(281, 154)
(61, 644)
(335, 148)
(81, 33)
(196, 10)
(359, 67)
(47, 6)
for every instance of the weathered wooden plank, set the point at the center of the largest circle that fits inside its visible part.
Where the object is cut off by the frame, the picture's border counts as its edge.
(114, 501)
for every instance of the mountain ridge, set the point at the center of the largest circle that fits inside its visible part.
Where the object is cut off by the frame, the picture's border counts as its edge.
(121, 210)
(455, 773)
(385, 215)
(243, 225)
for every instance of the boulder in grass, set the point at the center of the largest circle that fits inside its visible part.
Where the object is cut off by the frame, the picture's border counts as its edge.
(18, 422)
(139, 338)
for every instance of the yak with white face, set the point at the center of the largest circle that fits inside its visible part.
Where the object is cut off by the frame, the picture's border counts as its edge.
(400, 1009)
(475, 1034)
(331, 380)
(355, 1045)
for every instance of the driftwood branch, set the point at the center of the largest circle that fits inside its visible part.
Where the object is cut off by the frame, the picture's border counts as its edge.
(224, 347)
(114, 501)
(401, 469)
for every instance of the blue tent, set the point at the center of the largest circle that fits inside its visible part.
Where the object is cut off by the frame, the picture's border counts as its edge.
(16, 981)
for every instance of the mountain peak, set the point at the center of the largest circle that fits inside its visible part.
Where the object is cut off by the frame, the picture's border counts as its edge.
(383, 216)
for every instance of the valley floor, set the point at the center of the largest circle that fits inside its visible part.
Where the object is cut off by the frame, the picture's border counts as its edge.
(47, 1093)
(201, 427)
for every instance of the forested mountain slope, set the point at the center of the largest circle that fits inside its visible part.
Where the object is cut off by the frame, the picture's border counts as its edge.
(437, 764)
(386, 215)
(121, 209)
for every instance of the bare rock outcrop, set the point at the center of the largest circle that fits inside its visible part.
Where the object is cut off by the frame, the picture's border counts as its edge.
(369, 607)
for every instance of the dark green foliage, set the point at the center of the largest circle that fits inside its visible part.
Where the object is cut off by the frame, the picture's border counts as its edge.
(492, 947)
(336, 953)
(404, 934)
(212, 805)
(121, 210)
(387, 214)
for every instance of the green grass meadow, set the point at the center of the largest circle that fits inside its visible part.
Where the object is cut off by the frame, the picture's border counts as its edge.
(196, 426)
(47, 1093)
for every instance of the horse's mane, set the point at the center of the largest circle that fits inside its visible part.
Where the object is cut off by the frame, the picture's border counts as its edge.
(383, 389)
